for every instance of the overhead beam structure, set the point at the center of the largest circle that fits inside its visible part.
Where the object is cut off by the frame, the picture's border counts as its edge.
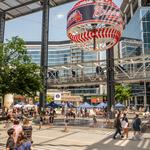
(17, 8)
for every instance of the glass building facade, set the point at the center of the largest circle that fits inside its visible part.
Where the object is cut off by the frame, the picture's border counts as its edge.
(137, 19)
(63, 53)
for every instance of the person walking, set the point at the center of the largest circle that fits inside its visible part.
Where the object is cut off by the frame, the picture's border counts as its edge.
(137, 127)
(41, 121)
(66, 120)
(125, 125)
(27, 130)
(94, 121)
(22, 143)
(18, 129)
(117, 125)
(51, 116)
(10, 145)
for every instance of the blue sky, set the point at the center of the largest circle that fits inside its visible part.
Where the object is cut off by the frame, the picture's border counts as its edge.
(29, 27)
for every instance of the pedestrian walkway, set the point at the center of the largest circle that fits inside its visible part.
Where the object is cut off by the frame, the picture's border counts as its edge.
(83, 139)
(2, 147)
(88, 139)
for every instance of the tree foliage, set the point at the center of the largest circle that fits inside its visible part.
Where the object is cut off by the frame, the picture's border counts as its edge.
(18, 75)
(49, 99)
(122, 93)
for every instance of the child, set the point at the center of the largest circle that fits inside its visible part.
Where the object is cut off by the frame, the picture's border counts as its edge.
(94, 121)
(10, 145)
(22, 143)
(66, 123)
(41, 121)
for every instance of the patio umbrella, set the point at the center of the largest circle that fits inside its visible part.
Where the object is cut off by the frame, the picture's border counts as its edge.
(37, 104)
(70, 105)
(85, 105)
(18, 106)
(119, 105)
(28, 106)
(101, 105)
(53, 105)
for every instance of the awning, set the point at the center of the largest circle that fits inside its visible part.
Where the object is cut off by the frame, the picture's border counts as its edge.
(17, 8)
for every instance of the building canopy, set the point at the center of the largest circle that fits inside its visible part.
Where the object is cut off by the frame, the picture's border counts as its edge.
(17, 8)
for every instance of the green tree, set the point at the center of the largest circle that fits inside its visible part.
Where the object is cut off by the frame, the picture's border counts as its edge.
(49, 99)
(122, 93)
(18, 75)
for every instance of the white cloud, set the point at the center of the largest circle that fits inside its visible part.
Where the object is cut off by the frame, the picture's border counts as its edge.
(60, 16)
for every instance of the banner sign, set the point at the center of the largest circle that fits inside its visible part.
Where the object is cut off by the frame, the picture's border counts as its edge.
(57, 97)
(94, 12)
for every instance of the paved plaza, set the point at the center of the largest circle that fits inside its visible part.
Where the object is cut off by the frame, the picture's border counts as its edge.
(80, 138)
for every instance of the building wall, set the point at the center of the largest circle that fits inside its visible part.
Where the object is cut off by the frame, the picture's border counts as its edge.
(137, 18)
(133, 24)
(63, 54)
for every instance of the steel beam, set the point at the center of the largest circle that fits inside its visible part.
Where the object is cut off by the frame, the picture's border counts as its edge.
(2, 26)
(44, 52)
(110, 78)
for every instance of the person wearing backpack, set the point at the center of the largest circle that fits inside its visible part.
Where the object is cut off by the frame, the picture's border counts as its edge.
(117, 125)
(137, 127)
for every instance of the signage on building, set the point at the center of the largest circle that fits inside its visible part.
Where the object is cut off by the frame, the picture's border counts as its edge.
(57, 96)
(96, 100)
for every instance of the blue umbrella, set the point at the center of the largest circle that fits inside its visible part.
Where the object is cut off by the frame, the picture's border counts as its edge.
(37, 104)
(101, 105)
(70, 105)
(85, 105)
(53, 105)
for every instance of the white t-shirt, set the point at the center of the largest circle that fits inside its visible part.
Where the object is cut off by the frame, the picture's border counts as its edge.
(124, 124)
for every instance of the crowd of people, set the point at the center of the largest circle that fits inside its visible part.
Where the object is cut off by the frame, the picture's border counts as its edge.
(20, 136)
(20, 133)
(122, 126)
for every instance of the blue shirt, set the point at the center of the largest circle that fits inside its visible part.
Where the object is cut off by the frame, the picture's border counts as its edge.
(24, 146)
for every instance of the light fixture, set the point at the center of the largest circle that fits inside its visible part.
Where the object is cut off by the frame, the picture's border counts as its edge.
(65, 67)
(79, 65)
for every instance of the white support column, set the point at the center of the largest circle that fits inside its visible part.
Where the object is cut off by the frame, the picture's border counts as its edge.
(139, 3)
(145, 97)
(125, 18)
(131, 9)
(135, 100)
